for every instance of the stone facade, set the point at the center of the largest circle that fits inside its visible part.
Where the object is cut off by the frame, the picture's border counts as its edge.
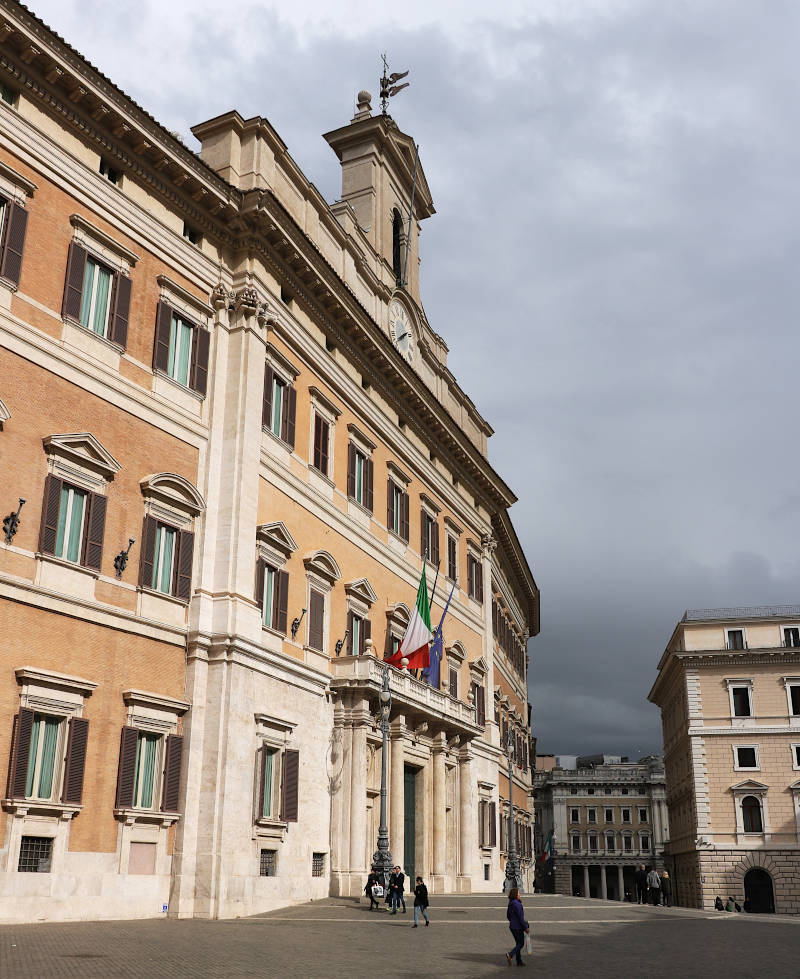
(210, 382)
(729, 692)
(607, 816)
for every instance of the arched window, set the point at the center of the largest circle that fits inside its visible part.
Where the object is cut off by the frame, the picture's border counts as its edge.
(397, 251)
(751, 815)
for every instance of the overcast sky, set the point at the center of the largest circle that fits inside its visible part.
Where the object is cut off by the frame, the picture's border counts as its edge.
(612, 265)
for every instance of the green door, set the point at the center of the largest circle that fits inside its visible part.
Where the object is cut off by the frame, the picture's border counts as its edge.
(409, 824)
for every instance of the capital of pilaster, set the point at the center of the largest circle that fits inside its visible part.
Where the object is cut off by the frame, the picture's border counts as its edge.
(489, 544)
(222, 298)
(439, 743)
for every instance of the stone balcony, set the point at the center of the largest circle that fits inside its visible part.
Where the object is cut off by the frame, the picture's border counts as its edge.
(418, 701)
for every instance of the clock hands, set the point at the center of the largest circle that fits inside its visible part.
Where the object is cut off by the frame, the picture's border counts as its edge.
(403, 336)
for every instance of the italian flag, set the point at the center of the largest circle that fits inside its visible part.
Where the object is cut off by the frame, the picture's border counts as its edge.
(418, 634)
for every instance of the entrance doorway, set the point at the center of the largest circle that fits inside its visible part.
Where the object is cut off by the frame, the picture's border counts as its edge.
(758, 891)
(409, 822)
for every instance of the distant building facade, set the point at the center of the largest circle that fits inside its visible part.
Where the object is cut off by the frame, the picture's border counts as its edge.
(606, 815)
(729, 691)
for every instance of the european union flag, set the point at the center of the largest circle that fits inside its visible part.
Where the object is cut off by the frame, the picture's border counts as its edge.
(432, 672)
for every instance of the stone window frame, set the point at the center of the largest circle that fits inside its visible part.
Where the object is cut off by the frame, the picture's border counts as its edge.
(360, 598)
(365, 447)
(577, 810)
(728, 630)
(172, 500)
(397, 618)
(187, 306)
(610, 834)
(590, 836)
(455, 655)
(645, 835)
(794, 788)
(745, 768)
(627, 835)
(646, 820)
(741, 791)
(326, 409)
(452, 530)
(395, 475)
(275, 546)
(573, 836)
(15, 189)
(322, 573)
(789, 682)
(748, 720)
(285, 371)
(589, 811)
(796, 756)
(629, 820)
(606, 811)
(271, 733)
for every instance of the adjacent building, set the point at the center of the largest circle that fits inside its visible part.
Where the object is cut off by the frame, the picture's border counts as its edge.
(605, 816)
(729, 691)
(238, 443)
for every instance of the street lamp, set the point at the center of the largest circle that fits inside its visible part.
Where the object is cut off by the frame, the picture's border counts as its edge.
(513, 870)
(382, 864)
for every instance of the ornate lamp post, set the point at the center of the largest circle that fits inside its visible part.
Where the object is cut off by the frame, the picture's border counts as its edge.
(513, 870)
(382, 863)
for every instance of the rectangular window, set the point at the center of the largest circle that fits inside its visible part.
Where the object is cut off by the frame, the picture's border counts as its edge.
(276, 421)
(269, 783)
(146, 774)
(626, 815)
(474, 578)
(110, 173)
(791, 636)
(191, 234)
(355, 635)
(611, 843)
(794, 699)
(317, 864)
(624, 790)
(44, 757)
(574, 815)
(268, 597)
(397, 508)
(486, 869)
(430, 537)
(576, 843)
(627, 844)
(454, 683)
(592, 843)
(747, 757)
(269, 863)
(71, 516)
(96, 297)
(7, 94)
(609, 814)
(452, 558)
(646, 843)
(358, 476)
(179, 358)
(164, 559)
(592, 816)
(741, 701)
(35, 855)
(322, 431)
(796, 751)
(642, 815)
(735, 639)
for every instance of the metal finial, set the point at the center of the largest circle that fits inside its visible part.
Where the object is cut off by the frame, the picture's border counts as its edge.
(388, 84)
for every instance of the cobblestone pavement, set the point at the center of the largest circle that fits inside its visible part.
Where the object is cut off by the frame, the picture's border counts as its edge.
(467, 937)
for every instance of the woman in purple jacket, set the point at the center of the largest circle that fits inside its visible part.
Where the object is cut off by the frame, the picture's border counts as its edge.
(517, 924)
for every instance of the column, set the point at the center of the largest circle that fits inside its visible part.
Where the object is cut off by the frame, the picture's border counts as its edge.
(603, 891)
(438, 820)
(358, 810)
(397, 798)
(467, 824)
(585, 880)
(621, 883)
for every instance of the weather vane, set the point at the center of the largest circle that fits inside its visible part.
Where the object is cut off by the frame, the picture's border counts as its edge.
(389, 86)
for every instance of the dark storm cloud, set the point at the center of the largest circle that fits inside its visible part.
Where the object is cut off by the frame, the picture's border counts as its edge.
(613, 267)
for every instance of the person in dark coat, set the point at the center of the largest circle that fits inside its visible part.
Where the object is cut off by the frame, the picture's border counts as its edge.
(372, 880)
(400, 886)
(641, 885)
(421, 901)
(517, 925)
(666, 889)
(718, 905)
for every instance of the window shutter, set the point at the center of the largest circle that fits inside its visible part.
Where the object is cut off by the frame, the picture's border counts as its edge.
(21, 747)
(317, 456)
(266, 407)
(261, 768)
(260, 571)
(93, 529)
(325, 434)
(73, 286)
(50, 507)
(200, 349)
(126, 772)
(492, 824)
(289, 412)
(482, 823)
(349, 633)
(289, 785)
(479, 580)
(316, 619)
(147, 552)
(405, 521)
(482, 705)
(423, 535)
(453, 683)
(368, 471)
(183, 566)
(76, 761)
(389, 505)
(172, 773)
(14, 242)
(351, 471)
(121, 310)
(366, 633)
(282, 600)
(163, 330)
(435, 543)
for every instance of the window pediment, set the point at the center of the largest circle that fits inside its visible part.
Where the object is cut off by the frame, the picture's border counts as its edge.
(456, 652)
(175, 491)
(478, 668)
(749, 785)
(361, 590)
(276, 535)
(85, 450)
(322, 564)
(399, 614)
(5, 414)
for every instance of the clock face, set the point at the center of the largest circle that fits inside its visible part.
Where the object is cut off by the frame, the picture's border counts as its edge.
(400, 330)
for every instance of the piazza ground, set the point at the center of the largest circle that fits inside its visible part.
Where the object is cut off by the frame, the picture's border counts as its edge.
(572, 937)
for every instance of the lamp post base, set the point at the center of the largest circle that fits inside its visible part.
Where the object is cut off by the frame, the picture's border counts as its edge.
(382, 866)
(513, 876)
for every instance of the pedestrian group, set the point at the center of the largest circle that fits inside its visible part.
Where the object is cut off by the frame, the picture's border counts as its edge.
(652, 887)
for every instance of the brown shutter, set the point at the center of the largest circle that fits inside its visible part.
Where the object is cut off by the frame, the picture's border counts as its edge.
(266, 404)
(50, 507)
(366, 633)
(316, 619)
(479, 580)
(482, 823)
(492, 824)
(482, 705)
(120, 310)
(435, 544)
(199, 373)
(289, 785)
(172, 773)
(261, 768)
(453, 683)
(325, 434)
(183, 566)
(76, 761)
(289, 413)
(368, 475)
(351, 471)
(349, 647)
(13, 242)
(390, 505)
(502, 832)
(73, 286)
(147, 552)
(260, 571)
(423, 534)
(163, 330)
(282, 600)
(20, 750)
(316, 458)
(126, 771)
(405, 528)
(93, 529)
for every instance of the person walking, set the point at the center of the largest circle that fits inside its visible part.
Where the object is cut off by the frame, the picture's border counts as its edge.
(641, 885)
(421, 902)
(372, 882)
(517, 925)
(392, 895)
(654, 886)
(401, 886)
(666, 889)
